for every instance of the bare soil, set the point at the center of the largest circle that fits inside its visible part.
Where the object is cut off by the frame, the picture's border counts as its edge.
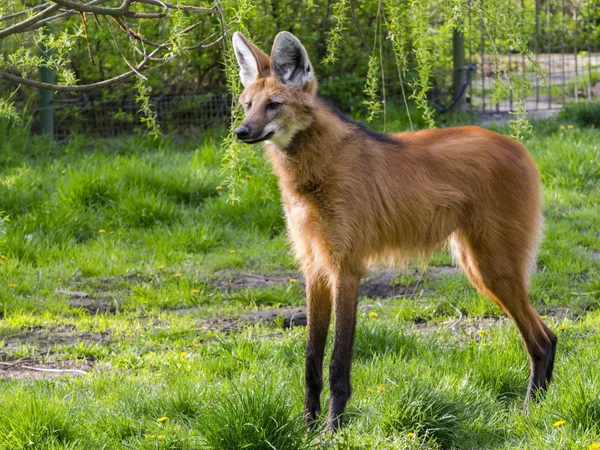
(381, 285)
(44, 339)
(37, 369)
(378, 284)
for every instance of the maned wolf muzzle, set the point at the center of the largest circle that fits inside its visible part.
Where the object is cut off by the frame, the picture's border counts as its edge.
(248, 135)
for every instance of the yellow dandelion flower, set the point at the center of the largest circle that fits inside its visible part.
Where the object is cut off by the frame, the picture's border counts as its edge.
(151, 436)
(218, 188)
(3, 256)
(373, 315)
(543, 317)
(177, 275)
(292, 280)
(562, 328)
(232, 251)
(559, 423)
(381, 388)
(594, 446)
(162, 419)
(570, 127)
(248, 177)
(482, 332)
(410, 435)
(102, 231)
(194, 291)
(161, 267)
(12, 285)
(562, 128)
(160, 437)
(183, 354)
(62, 172)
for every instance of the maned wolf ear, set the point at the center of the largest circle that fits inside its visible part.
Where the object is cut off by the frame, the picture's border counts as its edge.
(252, 60)
(290, 62)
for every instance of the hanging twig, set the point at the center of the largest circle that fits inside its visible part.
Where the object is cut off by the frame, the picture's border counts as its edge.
(355, 19)
(43, 369)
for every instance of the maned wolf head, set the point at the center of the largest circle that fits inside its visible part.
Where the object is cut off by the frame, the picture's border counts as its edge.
(280, 90)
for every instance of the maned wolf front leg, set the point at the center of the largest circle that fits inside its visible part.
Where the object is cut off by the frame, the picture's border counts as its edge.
(318, 306)
(345, 300)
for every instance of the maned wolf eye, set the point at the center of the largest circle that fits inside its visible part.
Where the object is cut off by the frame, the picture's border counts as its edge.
(273, 105)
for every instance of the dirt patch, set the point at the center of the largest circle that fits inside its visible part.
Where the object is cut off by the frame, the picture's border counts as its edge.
(380, 284)
(294, 317)
(32, 369)
(95, 305)
(287, 317)
(385, 284)
(90, 304)
(43, 339)
(377, 284)
(596, 254)
(465, 325)
(249, 281)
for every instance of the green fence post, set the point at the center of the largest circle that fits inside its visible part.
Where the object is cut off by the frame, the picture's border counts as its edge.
(459, 75)
(46, 95)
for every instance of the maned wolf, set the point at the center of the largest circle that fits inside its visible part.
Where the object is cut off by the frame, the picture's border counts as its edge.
(352, 196)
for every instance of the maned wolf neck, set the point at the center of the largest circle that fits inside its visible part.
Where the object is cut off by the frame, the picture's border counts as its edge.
(302, 165)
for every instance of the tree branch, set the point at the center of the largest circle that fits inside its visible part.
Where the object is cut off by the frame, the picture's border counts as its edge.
(180, 7)
(82, 87)
(119, 15)
(23, 25)
(42, 22)
(23, 13)
(122, 11)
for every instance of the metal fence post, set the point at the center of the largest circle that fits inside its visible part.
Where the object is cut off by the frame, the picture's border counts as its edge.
(459, 74)
(46, 95)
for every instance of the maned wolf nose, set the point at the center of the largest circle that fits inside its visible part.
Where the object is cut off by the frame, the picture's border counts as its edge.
(242, 132)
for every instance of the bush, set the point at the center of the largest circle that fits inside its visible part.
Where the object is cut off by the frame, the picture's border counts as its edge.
(584, 114)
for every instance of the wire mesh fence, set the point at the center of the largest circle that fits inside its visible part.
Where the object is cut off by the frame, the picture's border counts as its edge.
(113, 117)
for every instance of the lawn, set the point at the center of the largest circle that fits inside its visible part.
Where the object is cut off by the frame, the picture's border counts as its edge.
(131, 288)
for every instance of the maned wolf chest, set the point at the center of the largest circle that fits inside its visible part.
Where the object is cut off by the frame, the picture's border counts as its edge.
(307, 228)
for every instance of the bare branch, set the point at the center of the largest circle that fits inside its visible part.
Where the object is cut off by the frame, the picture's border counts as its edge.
(24, 12)
(121, 53)
(180, 7)
(48, 14)
(60, 16)
(203, 45)
(122, 11)
(23, 25)
(82, 87)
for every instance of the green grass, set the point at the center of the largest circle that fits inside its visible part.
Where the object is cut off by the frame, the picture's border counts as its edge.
(142, 228)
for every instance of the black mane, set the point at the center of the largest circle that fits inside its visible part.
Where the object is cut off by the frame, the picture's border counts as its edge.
(375, 135)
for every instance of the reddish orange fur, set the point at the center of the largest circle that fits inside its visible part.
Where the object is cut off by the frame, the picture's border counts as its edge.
(351, 197)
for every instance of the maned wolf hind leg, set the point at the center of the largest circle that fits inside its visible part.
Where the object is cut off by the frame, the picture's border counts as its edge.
(318, 303)
(500, 273)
